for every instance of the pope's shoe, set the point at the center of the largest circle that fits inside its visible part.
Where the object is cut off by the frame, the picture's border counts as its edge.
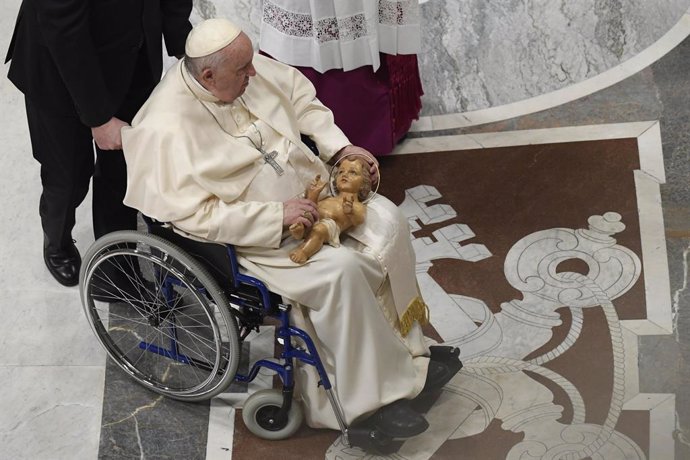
(62, 262)
(399, 420)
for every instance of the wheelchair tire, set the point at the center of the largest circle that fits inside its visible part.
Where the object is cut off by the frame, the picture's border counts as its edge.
(184, 345)
(257, 412)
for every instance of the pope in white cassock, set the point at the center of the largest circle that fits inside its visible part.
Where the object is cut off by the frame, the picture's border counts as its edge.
(216, 151)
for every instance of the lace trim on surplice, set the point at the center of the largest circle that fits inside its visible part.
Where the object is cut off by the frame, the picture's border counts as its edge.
(324, 30)
(398, 12)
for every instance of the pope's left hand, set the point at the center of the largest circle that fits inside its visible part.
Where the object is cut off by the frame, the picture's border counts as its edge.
(366, 155)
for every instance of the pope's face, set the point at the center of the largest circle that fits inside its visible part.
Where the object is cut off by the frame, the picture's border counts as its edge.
(350, 176)
(231, 77)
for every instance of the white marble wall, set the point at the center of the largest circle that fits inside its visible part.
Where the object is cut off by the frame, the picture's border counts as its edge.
(479, 54)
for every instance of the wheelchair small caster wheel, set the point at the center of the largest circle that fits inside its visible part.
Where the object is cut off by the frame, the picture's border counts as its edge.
(259, 415)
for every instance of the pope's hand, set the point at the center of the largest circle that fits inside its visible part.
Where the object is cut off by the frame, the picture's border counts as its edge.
(107, 136)
(299, 210)
(364, 154)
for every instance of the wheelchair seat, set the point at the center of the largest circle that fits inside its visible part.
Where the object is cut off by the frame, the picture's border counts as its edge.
(221, 262)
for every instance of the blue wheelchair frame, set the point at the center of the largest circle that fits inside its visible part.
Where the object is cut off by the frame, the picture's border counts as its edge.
(240, 295)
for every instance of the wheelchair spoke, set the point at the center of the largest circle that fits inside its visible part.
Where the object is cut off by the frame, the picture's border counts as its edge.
(163, 335)
(199, 325)
(147, 339)
(121, 295)
(200, 340)
(168, 325)
(125, 318)
(139, 311)
(199, 337)
(192, 345)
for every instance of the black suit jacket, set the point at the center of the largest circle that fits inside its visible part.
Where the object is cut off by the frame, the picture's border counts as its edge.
(79, 55)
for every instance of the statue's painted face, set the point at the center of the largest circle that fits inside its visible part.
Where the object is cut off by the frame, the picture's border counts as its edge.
(350, 176)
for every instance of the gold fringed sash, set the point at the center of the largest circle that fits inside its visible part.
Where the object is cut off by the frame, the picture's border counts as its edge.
(418, 311)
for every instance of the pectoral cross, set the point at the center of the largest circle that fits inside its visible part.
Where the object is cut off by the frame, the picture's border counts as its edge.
(270, 158)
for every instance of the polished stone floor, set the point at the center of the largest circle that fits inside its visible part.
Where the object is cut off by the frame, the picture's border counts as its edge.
(547, 188)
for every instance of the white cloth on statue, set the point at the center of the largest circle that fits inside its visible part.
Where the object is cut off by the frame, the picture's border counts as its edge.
(339, 34)
(333, 231)
(186, 167)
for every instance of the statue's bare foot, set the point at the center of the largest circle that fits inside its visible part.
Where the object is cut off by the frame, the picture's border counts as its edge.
(298, 256)
(297, 230)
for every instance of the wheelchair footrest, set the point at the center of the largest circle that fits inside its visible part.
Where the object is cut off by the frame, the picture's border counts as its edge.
(371, 440)
(450, 356)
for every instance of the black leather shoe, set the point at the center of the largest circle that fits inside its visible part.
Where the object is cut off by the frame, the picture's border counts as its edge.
(63, 263)
(399, 420)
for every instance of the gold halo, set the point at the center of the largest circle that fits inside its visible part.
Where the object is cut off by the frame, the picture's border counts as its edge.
(372, 193)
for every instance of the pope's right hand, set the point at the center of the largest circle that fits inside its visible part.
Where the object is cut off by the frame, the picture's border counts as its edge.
(299, 210)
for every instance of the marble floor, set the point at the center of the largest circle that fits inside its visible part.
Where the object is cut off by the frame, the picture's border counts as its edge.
(546, 184)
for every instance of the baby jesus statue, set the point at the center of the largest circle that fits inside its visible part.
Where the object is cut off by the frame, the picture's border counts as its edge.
(336, 213)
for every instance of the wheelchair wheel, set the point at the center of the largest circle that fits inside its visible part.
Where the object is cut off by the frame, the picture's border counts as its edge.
(258, 415)
(160, 315)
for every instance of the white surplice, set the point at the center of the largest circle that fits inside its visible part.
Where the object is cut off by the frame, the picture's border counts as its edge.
(338, 34)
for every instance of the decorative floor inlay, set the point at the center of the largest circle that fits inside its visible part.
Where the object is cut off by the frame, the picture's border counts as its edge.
(538, 261)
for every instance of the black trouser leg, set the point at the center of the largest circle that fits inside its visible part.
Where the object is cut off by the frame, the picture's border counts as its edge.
(109, 186)
(64, 148)
(110, 177)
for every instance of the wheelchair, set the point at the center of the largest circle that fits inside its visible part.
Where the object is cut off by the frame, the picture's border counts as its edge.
(173, 312)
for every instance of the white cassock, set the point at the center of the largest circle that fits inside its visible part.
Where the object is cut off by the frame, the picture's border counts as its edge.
(193, 161)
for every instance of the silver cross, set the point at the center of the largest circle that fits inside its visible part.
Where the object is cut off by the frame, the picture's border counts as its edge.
(269, 157)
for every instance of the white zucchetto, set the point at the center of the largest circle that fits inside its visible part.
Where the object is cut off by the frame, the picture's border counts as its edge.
(210, 36)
